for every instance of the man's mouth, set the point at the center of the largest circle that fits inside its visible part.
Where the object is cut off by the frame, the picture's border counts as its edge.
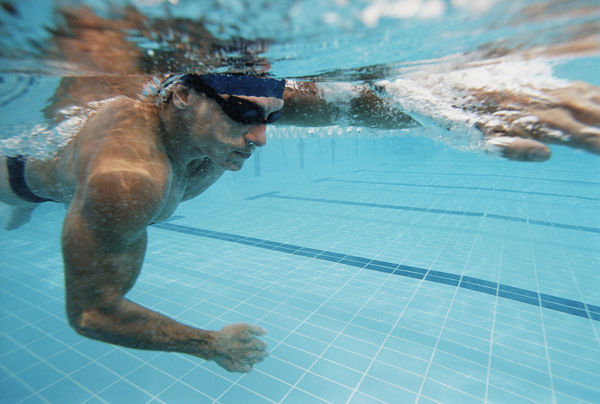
(244, 155)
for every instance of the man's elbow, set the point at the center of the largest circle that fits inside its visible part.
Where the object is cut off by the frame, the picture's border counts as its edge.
(84, 321)
(77, 321)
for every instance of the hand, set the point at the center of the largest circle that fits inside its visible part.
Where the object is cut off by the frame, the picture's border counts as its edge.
(238, 349)
(567, 115)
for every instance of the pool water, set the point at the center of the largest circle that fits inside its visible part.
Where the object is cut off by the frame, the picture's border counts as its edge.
(402, 267)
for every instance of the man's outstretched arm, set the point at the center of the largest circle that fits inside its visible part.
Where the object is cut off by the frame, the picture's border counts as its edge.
(104, 242)
(324, 104)
(514, 125)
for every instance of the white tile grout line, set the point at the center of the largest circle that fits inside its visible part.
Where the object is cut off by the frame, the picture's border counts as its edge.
(541, 313)
(493, 327)
(593, 326)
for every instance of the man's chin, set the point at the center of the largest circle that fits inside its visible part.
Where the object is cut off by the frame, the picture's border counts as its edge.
(234, 165)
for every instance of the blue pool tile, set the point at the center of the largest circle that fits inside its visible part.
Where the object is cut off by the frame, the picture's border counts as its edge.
(92, 348)
(297, 396)
(94, 377)
(373, 324)
(26, 335)
(527, 354)
(414, 336)
(40, 376)
(284, 322)
(386, 392)
(175, 365)
(498, 395)
(360, 398)
(449, 393)
(458, 379)
(396, 376)
(35, 400)
(181, 393)
(403, 361)
(281, 369)
(365, 334)
(347, 358)
(578, 391)
(294, 356)
(316, 332)
(572, 373)
(326, 322)
(13, 391)
(206, 381)
(355, 345)
(265, 385)
(336, 372)
(7, 344)
(239, 394)
(326, 389)
(462, 351)
(150, 379)
(120, 362)
(65, 391)
(18, 360)
(307, 344)
(124, 392)
(519, 386)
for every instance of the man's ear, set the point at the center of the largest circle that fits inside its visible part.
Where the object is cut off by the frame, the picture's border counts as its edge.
(180, 96)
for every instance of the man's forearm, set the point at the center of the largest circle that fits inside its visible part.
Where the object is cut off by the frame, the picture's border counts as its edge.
(131, 325)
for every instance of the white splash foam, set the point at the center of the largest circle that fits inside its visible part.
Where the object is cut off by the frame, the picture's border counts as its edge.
(444, 95)
(44, 140)
(401, 9)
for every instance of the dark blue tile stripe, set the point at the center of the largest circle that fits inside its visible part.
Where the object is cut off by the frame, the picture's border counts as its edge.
(467, 282)
(513, 191)
(503, 176)
(439, 211)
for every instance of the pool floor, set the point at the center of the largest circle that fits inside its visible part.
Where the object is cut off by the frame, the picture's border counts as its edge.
(383, 274)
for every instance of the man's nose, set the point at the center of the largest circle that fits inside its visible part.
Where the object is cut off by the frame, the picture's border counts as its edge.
(257, 135)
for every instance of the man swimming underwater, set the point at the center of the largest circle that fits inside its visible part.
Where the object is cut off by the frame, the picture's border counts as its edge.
(131, 165)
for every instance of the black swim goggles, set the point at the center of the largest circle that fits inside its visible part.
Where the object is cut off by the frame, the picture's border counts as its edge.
(238, 109)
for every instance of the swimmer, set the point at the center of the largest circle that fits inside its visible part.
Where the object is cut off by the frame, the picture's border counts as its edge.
(129, 166)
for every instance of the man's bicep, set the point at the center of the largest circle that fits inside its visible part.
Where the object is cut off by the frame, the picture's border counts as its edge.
(104, 239)
(99, 267)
